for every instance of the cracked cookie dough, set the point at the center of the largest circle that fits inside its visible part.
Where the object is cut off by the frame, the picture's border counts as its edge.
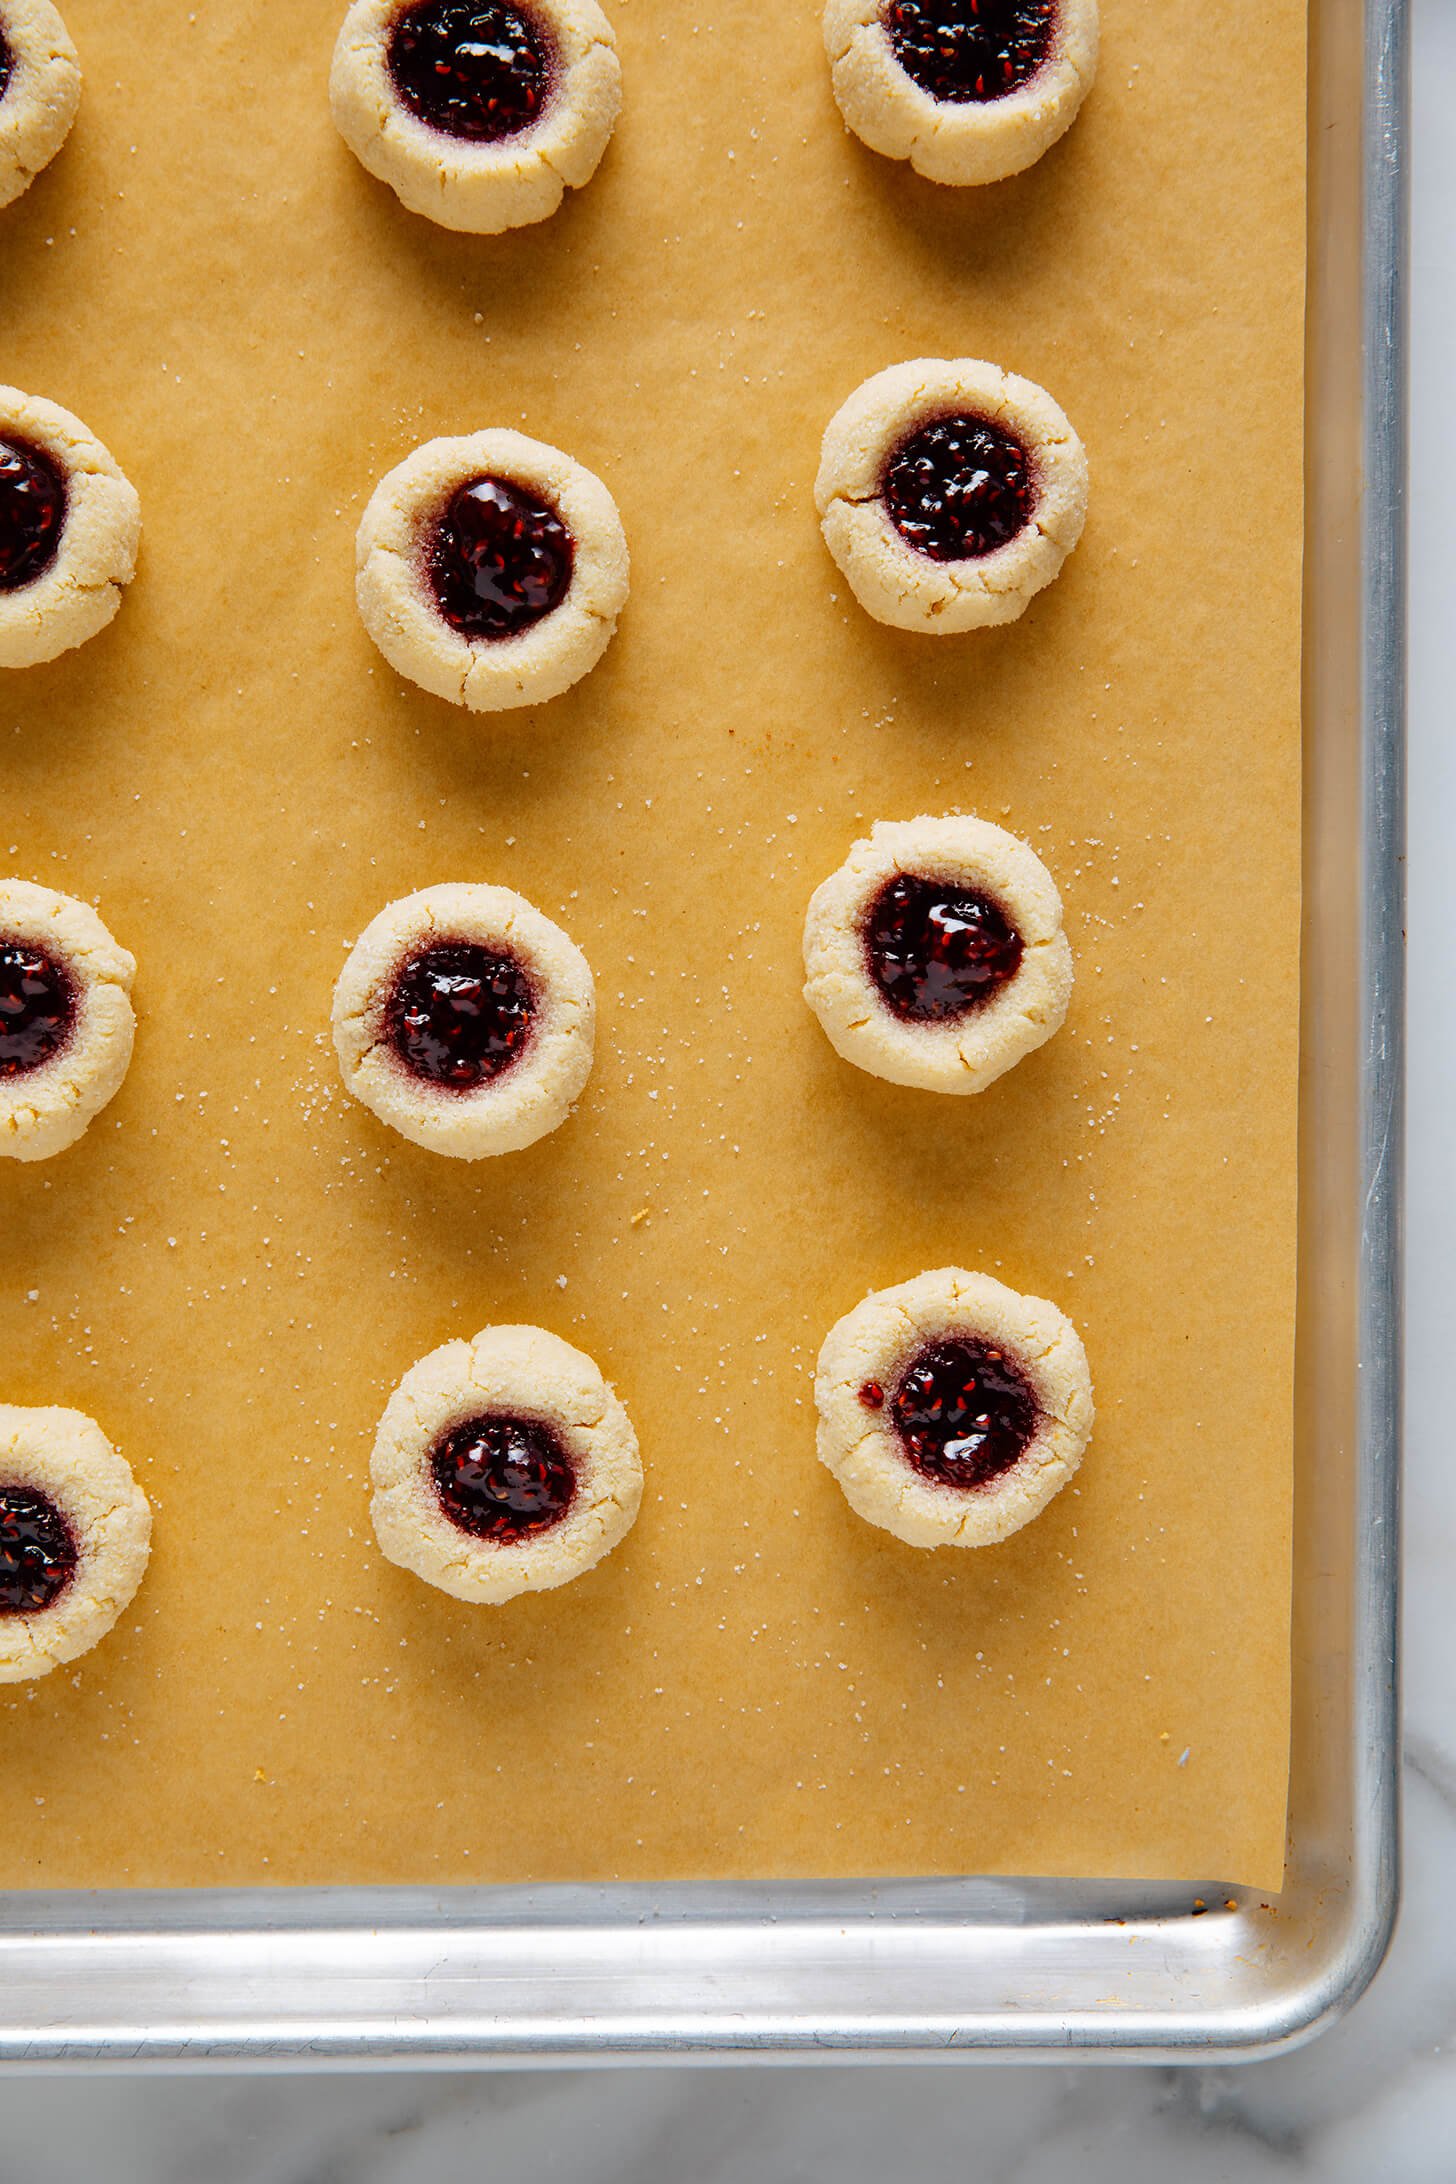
(40, 89)
(950, 493)
(66, 1021)
(952, 1409)
(69, 528)
(491, 569)
(967, 90)
(504, 1465)
(479, 116)
(466, 1020)
(935, 955)
(75, 1534)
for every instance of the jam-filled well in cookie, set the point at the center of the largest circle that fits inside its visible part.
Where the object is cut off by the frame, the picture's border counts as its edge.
(5, 63)
(936, 950)
(503, 1479)
(499, 559)
(963, 1413)
(481, 72)
(37, 1552)
(37, 1007)
(970, 50)
(459, 1014)
(959, 488)
(32, 512)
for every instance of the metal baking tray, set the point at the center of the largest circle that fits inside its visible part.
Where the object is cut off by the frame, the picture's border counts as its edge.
(964, 1967)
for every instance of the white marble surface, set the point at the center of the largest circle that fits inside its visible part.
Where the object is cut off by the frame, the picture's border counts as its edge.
(1373, 2102)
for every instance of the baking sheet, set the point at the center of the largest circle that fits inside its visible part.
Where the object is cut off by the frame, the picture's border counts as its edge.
(237, 1264)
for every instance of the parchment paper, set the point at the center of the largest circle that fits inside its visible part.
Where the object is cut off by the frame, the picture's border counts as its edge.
(238, 1263)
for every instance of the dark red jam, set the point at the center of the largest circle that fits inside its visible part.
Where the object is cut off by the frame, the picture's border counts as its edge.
(937, 951)
(4, 62)
(872, 1395)
(460, 1014)
(503, 1479)
(476, 71)
(964, 1414)
(499, 559)
(32, 512)
(37, 1007)
(967, 51)
(959, 488)
(37, 1552)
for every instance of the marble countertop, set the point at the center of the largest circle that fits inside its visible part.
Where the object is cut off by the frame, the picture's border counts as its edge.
(1373, 2099)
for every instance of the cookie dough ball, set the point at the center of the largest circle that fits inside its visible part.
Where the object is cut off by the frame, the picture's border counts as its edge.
(69, 529)
(75, 1534)
(491, 570)
(935, 955)
(951, 1409)
(966, 90)
(478, 115)
(950, 493)
(40, 89)
(66, 1022)
(504, 1465)
(466, 1021)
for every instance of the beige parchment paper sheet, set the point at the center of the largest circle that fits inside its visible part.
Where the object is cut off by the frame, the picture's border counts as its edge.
(235, 1267)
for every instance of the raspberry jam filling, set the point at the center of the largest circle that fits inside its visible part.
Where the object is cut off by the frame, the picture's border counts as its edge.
(969, 51)
(5, 63)
(963, 1413)
(459, 1014)
(937, 951)
(32, 512)
(499, 560)
(37, 1007)
(469, 70)
(503, 1479)
(959, 488)
(37, 1552)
